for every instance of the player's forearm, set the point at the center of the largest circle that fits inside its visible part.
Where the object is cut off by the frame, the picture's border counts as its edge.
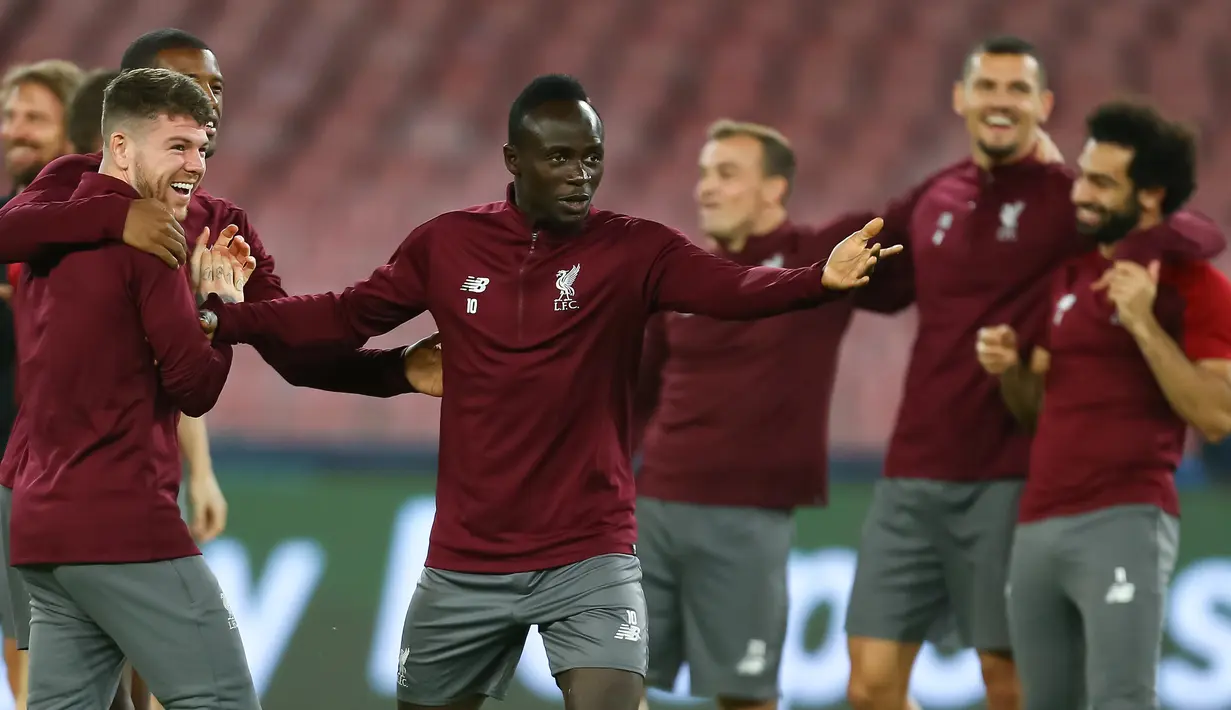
(367, 372)
(751, 293)
(29, 227)
(1199, 397)
(194, 446)
(194, 383)
(1022, 392)
(291, 322)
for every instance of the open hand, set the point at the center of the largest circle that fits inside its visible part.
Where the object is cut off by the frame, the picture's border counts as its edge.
(852, 261)
(229, 240)
(996, 348)
(240, 250)
(220, 272)
(424, 363)
(152, 228)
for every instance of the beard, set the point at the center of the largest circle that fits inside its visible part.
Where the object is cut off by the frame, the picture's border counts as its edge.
(143, 184)
(1115, 225)
(25, 174)
(999, 153)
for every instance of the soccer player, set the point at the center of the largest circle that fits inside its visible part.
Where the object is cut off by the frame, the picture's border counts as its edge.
(33, 99)
(47, 217)
(208, 506)
(1137, 349)
(737, 438)
(96, 531)
(541, 301)
(984, 236)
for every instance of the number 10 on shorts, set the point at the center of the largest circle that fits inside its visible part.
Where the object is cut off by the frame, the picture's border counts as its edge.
(472, 305)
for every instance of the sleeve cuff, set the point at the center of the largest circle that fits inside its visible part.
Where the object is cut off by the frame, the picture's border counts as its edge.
(392, 367)
(225, 332)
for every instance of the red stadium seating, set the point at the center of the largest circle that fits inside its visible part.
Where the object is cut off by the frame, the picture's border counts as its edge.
(348, 123)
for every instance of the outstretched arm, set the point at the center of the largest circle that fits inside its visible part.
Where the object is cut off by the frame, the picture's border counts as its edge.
(331, 367)
(392, 295)
(687, 279)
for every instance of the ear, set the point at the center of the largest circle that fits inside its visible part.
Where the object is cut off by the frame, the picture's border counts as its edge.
(119, 148)
(510, 160)
(1047, 101)
(1151, 200)
(774, 190)
(959, 98)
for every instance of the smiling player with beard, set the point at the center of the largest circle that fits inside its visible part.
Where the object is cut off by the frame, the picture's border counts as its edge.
(983, 236)
(1137, 349)
(96, 533)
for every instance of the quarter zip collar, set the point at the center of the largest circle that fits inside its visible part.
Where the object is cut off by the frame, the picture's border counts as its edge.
(522, 221)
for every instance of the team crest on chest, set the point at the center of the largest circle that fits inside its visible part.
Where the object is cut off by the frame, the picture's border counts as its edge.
(1010, 213)
(565, 280)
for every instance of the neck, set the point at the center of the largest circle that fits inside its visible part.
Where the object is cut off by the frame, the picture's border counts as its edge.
(985, 161)
(109, 167)
(769, 221)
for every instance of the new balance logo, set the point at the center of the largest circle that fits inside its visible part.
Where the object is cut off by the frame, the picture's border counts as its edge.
(475, 284)
(1121, 590)
(755, 659)
(629, 630)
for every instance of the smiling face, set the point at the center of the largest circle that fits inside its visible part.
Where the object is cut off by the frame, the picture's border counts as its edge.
(32, 128)
(1109, 205)
(557, 163)
(163, 159)
(1003, 102)
(733, 191)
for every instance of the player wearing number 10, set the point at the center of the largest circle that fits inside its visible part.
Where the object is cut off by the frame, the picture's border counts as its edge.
(534, 523)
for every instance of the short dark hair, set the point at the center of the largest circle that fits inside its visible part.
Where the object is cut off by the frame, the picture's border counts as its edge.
(1005, 44)
(1164, 152)
(144, 50)
(146, 94)
(779, 157)
(544, 89)
(85, 112)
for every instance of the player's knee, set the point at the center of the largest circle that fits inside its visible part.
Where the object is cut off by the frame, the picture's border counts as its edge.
(883, 691)
(601, 689)
(880, 674)
(1000, 680)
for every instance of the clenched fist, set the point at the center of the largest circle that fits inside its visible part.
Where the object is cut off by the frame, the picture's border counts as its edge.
(996, 348)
